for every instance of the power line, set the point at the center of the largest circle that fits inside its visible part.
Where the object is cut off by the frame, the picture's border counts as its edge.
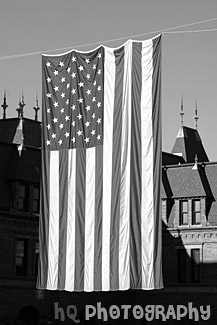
(192, 31)
(166, 31)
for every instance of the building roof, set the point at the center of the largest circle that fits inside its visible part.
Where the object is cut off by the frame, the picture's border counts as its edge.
(170, 159)
(183, 181)
(21, 131)
(186, 181)
(188, 144)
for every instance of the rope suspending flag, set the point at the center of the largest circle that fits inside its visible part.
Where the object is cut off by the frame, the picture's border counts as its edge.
(100, 226)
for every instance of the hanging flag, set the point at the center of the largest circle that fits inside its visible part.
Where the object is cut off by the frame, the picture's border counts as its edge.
(100, 226)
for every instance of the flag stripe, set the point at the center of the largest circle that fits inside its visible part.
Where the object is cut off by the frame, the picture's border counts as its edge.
(44, 221)
(124, 275)
(89, 220)
(157, 149)
(80, 218)
(70, 248)
(109, 80)
(53, 245)
(116, 167)
(147, 167)
(98, 219)
(63, 207)
(135, 177)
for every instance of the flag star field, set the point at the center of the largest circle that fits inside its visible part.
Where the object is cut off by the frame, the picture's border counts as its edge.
(74, 100)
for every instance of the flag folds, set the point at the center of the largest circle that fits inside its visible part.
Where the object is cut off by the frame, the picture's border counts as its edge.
(100, 226)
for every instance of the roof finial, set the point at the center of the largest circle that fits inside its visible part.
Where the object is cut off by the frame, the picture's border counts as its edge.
(182, 112)
(196, 115)
(36, 108)
(195, 162)
(4, 105)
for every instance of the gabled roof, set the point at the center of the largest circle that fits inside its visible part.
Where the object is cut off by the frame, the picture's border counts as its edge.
(21, 131)
(188, 144)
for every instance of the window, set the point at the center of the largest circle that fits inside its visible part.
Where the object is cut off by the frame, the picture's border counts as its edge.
(183, 212)
(21, 262)
(182, 257)
(195, 265)
(36, 258)
(188, 265)
(27, 197)
(23, 197)
(36, 199)
(196, 212)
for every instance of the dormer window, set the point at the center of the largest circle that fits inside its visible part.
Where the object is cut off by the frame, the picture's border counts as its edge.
(183, 212)
(36, 199)
(23, 197)
(26, 197)
(196, 209)
(190, 212)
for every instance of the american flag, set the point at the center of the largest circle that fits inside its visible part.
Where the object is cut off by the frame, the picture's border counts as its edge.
(74, 100)
(101, 169)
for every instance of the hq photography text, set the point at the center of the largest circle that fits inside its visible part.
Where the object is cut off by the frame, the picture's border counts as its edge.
(148, 312)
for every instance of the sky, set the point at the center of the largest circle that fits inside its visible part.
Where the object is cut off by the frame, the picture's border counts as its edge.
(189, 60)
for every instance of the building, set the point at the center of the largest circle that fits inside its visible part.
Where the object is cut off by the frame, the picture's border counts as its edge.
(189, 232)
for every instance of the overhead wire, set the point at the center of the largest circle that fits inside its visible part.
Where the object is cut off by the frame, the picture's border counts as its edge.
(165, 31)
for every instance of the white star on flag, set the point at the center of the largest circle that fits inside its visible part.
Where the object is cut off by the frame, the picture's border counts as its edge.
(93, 132)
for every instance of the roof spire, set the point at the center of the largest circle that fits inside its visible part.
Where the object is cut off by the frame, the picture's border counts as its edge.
(196, 115)
(22, 96)
(4, 105)
(20, 106)
(182, 112)
(36, 107)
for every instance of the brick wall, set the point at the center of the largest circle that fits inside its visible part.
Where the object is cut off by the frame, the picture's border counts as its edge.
(6, 253)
